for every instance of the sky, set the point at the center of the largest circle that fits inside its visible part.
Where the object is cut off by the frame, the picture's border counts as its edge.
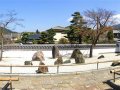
(45, 14)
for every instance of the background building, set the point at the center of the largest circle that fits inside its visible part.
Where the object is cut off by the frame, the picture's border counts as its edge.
(60, 32)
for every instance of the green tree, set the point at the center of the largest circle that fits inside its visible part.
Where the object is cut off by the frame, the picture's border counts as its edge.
(47, 36)
(25, 38)
(35, 41)
(87, 39)
(44, 37)
(50, 36)
(77, 24)
(110, 35)
(37, 31)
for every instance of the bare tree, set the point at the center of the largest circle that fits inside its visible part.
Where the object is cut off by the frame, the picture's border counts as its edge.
(100, 20)
(8, 19)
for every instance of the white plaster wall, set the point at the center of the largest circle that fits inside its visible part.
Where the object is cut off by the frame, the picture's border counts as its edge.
(58, 36)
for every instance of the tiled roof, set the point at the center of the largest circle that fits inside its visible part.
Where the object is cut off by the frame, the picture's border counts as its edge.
(60, 28)
(35, 36)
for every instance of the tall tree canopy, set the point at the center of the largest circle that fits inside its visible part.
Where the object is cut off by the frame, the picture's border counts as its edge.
(37, 31)
(100, 21)
(47, 36)
(25, 37)
(77, 24)
(51, 34)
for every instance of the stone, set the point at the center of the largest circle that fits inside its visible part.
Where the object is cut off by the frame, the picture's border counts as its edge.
(38, 56)
(115, 63)
(28, 63)
(102, 56)
(78, 56)
(76, 51)
(79, 59)
(42, 69)
(59, 61)
(67, 61)
(55, 52)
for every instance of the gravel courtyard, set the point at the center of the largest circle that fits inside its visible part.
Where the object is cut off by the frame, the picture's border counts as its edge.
(93, 80)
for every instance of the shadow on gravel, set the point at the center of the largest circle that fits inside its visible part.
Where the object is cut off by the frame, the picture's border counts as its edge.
(112, 85)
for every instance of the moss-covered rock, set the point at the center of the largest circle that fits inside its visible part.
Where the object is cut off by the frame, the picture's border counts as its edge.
(76, 51)
(78, 56)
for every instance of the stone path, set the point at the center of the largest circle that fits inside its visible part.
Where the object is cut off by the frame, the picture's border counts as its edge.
(83, 81)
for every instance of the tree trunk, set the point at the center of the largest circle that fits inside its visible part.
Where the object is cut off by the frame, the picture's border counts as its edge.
(1, 52)
(80, 39)
(91, 51)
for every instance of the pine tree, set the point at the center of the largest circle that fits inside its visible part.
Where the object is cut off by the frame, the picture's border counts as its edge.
(77, 24)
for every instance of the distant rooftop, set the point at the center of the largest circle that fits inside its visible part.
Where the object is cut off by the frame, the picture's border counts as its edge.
(60, 27)
(35, 36)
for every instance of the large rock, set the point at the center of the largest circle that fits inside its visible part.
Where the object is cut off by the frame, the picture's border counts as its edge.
(38, 56)
(101, 56)
(28, 63)
(67, 61)
(78, 56)
(79, 59)
(55, 52)
(115, 63)
(59, 61)
(76, 51)
(42, 69)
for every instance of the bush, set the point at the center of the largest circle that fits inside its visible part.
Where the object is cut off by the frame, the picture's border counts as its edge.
(63, 41)
(34, 42)
(86, 39)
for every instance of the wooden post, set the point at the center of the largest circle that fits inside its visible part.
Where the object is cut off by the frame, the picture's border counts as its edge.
(114, 76)
(91, 51)
(57, 68)
(97, 65)
(10, 69)
(6, 86)
(10, 85)
(9, 79)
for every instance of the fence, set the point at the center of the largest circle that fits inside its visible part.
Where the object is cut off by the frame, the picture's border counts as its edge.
(57, 67)
(49, 46)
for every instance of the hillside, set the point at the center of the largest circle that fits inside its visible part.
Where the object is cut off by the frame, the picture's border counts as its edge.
(116, 26)
(7, 31)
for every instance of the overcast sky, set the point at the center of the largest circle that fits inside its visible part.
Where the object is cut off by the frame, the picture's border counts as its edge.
(45, 14)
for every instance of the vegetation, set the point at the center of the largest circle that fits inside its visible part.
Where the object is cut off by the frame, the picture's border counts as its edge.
(7, 31)
(5, 21)
(110, 35)
(51, 34)
(37, 31)
(24, 38)
(63, 41)
(100, 21)
(77, 24)
(45, 37)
